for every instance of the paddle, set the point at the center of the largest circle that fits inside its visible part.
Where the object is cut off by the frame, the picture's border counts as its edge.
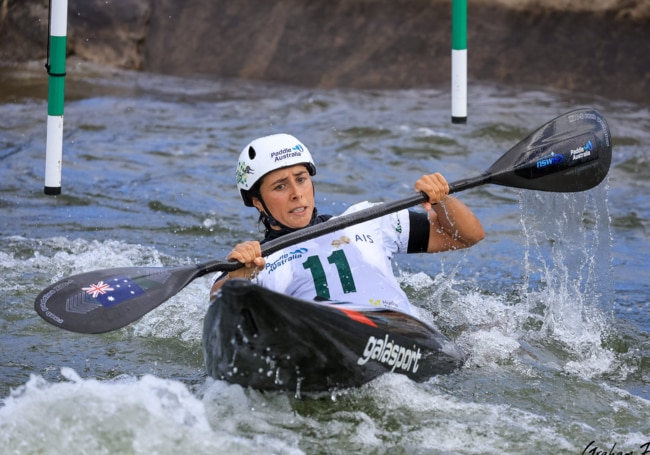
(570, 153)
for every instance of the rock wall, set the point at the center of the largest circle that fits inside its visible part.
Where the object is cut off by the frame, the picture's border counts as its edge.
(592, 46)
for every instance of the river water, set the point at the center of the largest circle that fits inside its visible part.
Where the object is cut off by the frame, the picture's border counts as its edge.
(552, 307)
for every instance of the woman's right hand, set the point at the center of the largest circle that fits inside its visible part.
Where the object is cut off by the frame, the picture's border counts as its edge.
(250, 254)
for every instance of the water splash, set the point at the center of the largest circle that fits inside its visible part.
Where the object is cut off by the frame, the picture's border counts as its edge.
(558, 312)
(568, 288)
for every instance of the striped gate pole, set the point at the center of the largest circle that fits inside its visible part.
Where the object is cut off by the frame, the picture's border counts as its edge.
(56, 87)
(459, 61)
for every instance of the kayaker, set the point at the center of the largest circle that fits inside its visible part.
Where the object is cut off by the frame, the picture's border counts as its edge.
(274, 175)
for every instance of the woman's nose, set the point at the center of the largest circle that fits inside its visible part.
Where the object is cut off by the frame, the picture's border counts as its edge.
(296, 192)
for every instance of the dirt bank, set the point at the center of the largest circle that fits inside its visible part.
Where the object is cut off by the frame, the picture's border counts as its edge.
(593, 46)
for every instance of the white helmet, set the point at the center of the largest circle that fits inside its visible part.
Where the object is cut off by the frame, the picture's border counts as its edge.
(267, 154)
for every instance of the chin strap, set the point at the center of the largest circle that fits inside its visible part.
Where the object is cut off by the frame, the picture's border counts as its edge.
(267, 218)
(268, 221)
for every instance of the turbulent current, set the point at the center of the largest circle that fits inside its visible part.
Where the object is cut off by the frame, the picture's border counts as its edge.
(551, 308)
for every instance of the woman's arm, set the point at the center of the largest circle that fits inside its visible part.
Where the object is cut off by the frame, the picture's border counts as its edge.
(452, 224)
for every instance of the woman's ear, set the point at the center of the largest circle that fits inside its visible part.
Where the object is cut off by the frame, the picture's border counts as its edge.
(257, 204)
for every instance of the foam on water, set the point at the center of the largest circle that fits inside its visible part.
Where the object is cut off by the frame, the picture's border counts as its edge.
(180, 317)
(153, 415)
(67, 257)
(430, 421)
(128, 416)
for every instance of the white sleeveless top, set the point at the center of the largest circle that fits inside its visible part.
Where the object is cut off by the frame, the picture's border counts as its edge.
(351, 265)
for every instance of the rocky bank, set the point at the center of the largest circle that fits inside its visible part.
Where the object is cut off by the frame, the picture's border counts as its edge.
(590, 46)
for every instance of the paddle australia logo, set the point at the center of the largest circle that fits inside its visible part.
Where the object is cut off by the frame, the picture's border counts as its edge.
(115, 290)
(549, 160)
(392, 354)
(287, 153)
(582, 152)
(285, 259)
(243, 171)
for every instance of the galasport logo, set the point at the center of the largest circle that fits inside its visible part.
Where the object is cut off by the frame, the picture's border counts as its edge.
(392, 354)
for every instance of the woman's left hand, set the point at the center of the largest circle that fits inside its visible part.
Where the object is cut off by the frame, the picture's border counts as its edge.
(435, 186)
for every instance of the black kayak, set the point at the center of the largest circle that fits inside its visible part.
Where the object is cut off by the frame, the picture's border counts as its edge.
(269, 341)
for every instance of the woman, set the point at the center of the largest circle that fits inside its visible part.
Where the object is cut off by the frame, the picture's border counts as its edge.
(351, 265)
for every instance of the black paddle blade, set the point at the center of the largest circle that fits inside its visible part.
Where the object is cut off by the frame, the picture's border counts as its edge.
(570, 153)
(105, 300)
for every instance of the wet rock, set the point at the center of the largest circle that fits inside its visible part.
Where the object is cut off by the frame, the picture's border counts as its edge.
(590, 46)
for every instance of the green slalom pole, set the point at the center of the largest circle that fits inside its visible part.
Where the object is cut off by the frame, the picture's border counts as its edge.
(56, 88)
(459, 61)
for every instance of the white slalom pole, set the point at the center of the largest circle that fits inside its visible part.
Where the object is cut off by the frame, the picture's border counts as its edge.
(55, 97)
(459, 61)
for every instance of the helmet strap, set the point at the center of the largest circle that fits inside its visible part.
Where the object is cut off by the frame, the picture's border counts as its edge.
(266, 217)
(268, 220)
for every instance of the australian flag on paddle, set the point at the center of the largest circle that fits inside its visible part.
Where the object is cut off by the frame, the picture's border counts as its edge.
(114, 290)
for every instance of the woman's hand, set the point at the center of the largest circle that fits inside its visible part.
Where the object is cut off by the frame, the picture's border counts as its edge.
(250, 254)
(435, 186)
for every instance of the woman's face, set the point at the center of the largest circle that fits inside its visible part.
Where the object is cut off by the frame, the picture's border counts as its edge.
(289, 196)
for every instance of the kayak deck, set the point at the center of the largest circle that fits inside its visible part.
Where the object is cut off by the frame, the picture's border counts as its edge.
(265, 340)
